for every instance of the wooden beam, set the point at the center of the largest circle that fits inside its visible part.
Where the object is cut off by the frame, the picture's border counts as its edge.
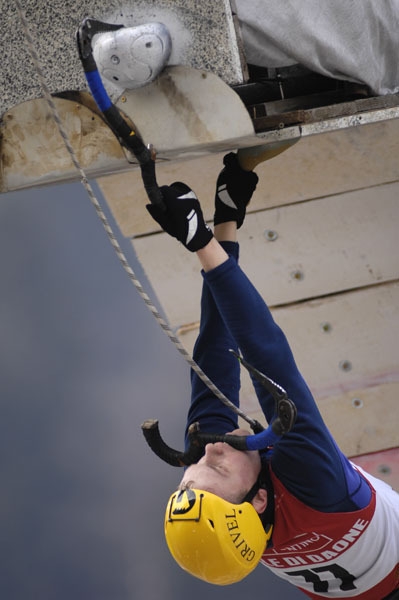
(321, 247)
(316, 166)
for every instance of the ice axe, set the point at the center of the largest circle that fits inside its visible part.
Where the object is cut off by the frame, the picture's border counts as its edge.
(127, 135)
(281, 423)
(250, 157)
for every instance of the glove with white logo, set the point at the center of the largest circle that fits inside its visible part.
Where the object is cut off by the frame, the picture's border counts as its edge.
(234, 189)
(183, 218)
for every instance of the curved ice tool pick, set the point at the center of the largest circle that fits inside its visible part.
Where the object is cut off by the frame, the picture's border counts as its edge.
(282, 422)
(113, 117)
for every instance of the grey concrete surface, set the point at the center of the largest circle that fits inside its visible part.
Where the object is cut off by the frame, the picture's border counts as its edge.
(203, 37)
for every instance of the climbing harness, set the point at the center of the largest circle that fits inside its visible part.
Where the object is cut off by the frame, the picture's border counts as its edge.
(145, 155)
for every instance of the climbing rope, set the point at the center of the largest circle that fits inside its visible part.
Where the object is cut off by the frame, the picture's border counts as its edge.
(114, 242)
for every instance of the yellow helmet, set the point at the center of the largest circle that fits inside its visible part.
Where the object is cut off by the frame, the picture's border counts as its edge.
(213, 539)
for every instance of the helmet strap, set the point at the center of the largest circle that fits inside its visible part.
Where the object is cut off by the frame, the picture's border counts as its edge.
(250, 495)
(264, 482)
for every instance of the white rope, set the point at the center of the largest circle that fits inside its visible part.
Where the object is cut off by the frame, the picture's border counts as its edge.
(122, 258)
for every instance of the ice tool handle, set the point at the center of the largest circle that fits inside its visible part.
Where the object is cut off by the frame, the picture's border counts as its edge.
(282, 422)
(126, 135)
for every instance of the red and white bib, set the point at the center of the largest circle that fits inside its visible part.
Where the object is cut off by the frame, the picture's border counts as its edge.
(337, 555)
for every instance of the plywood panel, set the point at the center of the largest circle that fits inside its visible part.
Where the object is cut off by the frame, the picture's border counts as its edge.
(181, 100)
(369, 426)
(187, 110)
(316, 166)
(32, 151)
(347, 348)
(384, 465)
(359, 327)
(363, 420)
(323, 246)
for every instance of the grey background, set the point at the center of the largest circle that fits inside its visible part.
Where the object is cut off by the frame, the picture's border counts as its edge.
(82, 364)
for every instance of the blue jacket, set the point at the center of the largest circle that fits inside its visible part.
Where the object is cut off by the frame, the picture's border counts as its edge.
(306, 460)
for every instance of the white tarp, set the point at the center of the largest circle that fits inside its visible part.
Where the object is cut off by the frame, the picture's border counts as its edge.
(354, 40)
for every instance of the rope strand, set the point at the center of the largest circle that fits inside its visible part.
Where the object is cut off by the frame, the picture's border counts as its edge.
(114, 242)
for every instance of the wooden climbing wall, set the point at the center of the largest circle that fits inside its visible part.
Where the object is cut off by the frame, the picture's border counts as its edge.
(320, 243)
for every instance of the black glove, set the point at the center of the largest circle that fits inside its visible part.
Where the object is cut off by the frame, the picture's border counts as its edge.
(183, 218)
(234, 189)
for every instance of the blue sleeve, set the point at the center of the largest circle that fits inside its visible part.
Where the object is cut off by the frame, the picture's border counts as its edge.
(307, 460)
(211, 353)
